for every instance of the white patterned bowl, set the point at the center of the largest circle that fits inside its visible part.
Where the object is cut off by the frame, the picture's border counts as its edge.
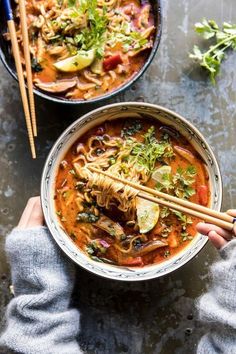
(77, 129)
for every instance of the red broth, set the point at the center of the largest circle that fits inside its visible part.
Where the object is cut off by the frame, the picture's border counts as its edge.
(122, 243)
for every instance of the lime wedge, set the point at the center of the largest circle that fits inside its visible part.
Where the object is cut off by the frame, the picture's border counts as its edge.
(158, 174)
(78, 62)
(147, 214)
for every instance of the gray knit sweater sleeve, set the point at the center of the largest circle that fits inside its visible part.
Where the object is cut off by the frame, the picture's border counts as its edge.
(217, 308)
(39, 318)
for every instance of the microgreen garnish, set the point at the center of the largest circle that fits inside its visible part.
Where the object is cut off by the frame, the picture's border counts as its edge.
(97, 247)
(183, 180)
(184, 219)
(165, 233)
(164, 212)
(131, 127)
(185, 236)
(224, 39)
(73, 173)
(147, 153)
(180, 183)
(167, 254)
(93, 35)
(87, 217)
(128, 36)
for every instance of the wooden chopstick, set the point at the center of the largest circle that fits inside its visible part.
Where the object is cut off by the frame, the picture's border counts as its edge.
(221, 223)
(25, 37)
(220, 219)
(19, 70)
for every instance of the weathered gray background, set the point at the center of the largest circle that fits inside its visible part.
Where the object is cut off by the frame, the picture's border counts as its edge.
(156, 316)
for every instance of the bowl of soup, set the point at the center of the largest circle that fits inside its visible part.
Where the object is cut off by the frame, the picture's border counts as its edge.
(103, 225)
(85, 50)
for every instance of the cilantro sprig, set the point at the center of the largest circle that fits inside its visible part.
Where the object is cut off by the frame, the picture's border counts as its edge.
(151, 150)
(80, 37)
(179, 184)
(223, 39)
(184, 219)
(93, 35)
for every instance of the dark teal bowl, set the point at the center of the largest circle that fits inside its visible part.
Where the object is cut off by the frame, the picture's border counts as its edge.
(8, 61)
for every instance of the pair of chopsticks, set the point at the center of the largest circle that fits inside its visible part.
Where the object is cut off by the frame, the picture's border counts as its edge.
(212, 216)
(30, 116)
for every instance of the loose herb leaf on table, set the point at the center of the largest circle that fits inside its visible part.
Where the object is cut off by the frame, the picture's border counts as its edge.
(220, 40)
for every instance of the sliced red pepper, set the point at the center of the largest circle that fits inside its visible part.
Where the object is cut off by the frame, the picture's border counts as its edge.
(133, 261)
(202, 192)
(112, 62)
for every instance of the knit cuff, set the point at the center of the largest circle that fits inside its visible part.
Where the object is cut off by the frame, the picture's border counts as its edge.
(25, 246)
(35, 258)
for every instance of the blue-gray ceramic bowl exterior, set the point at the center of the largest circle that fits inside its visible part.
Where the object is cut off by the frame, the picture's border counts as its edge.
(77, 129)
(8, 61)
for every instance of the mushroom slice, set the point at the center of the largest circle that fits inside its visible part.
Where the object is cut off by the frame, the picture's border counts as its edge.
(185, 154)
(112, 228)
(57, 86)
(148, 247)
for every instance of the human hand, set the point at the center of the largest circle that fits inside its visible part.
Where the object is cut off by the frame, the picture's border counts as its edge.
(32, 215)
(218, 236)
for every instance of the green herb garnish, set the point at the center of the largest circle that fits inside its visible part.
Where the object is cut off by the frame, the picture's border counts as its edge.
(167, 254)
(93, 36)
(184, 219)
(112, 160)
(185, 236)
(131, 128)
(183, 180)
(223, 39)
(147, 153)
(72, 172)
(165, 233)
(97, 248)
(87, 217)
(36, 67)
(165, 212)
(180, 183)
(80, 185)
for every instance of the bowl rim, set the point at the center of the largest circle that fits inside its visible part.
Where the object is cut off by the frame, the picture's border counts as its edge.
(130, 104)
(129, 83)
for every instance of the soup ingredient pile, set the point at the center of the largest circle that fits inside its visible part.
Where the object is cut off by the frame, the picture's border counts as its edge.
(85, 48)
(106, 219)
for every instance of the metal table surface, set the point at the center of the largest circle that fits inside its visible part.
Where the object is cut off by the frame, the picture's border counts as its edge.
(156, 316)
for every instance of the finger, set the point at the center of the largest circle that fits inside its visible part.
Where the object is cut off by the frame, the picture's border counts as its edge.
(36, 216)
(205, 228)
(217, 240)
(231, 212)
(26, 213)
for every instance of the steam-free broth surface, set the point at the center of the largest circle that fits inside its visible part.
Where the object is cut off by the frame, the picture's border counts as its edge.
(106, 220)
